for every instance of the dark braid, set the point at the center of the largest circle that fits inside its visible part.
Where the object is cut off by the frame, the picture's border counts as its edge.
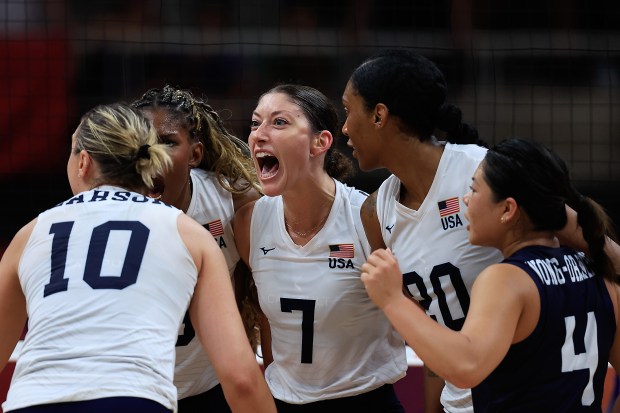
(597, 227)
(225, 154)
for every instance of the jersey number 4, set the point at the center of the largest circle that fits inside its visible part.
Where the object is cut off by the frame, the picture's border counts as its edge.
(139, 235)
(587, 360)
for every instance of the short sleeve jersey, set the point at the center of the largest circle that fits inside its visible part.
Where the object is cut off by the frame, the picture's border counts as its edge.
(212, 207)
(107, 280)
(561, 366)
(432, 245)
(328, 339)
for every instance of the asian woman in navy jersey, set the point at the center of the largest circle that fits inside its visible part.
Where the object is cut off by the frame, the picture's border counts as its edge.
(542, 324)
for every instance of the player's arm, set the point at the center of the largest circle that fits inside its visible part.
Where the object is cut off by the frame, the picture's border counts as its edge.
(13, 313)
(217, 321)
(612, 249)
(433, 386)
(245, 290)
(614, 355)
(241, 228)
(247, 302)
(499, 296)
(370, 220)
(240, 199)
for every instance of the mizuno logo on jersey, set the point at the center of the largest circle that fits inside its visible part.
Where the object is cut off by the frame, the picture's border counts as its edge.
(390, 228)
(266, 250)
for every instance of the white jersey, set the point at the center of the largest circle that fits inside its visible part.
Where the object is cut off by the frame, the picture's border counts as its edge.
(211, 206)
(328, 339)
(439, 264)
(107, 280)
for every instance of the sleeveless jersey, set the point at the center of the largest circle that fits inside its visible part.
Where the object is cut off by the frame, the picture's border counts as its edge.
(432, 245)
(328, 339)
(107, 279)
(211, 206)
(561, 366)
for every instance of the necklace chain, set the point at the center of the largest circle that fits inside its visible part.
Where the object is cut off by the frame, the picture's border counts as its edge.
(311, 231)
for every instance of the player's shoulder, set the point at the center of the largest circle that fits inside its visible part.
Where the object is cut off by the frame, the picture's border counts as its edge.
(243, 215)
(355, 196)
(470, 151)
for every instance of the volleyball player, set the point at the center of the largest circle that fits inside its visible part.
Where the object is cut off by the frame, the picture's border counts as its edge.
(395, 103)
(212, 175)
(542, 324)
(332, 348)
(104, 280)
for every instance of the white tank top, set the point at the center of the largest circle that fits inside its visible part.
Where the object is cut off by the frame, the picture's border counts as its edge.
(212, 206)
(328, 339)
(107, 280)
(439, 264)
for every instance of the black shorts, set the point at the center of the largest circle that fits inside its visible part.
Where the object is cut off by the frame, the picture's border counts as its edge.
(381, 400)
(105, 405)
(212, 401)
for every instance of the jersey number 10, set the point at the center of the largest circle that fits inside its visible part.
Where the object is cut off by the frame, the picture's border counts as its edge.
(94, 258)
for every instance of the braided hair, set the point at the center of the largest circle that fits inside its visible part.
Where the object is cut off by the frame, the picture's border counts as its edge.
(225, 154)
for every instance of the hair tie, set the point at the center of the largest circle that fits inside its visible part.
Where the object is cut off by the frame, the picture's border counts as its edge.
(143, 152)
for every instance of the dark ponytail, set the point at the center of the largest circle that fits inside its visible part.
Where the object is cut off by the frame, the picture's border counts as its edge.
(450, 120)
(597, 227)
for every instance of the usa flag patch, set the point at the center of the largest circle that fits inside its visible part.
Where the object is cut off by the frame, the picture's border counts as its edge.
(449, 206)
(216, 228)
(341, 251)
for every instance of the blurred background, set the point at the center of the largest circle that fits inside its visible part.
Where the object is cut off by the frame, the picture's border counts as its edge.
(547, 70)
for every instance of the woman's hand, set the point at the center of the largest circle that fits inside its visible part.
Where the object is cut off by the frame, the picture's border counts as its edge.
(382, 277)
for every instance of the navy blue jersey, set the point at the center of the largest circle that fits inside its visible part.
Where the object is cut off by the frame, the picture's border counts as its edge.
(561, 366)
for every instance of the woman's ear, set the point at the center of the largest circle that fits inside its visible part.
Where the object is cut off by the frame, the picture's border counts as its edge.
(196, 154)
(321, 143)
(84, 164)
(511, 210)
(381, 114)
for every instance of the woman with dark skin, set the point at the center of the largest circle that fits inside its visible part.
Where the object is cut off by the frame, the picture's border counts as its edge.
(396, 103)
(212, 176)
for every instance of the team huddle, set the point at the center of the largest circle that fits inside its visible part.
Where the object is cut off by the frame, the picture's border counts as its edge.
(183, 248)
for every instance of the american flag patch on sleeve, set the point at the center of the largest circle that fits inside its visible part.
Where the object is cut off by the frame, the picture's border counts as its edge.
(341, 251)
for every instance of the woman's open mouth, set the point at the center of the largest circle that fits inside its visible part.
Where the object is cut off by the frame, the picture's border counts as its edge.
(268, 165)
